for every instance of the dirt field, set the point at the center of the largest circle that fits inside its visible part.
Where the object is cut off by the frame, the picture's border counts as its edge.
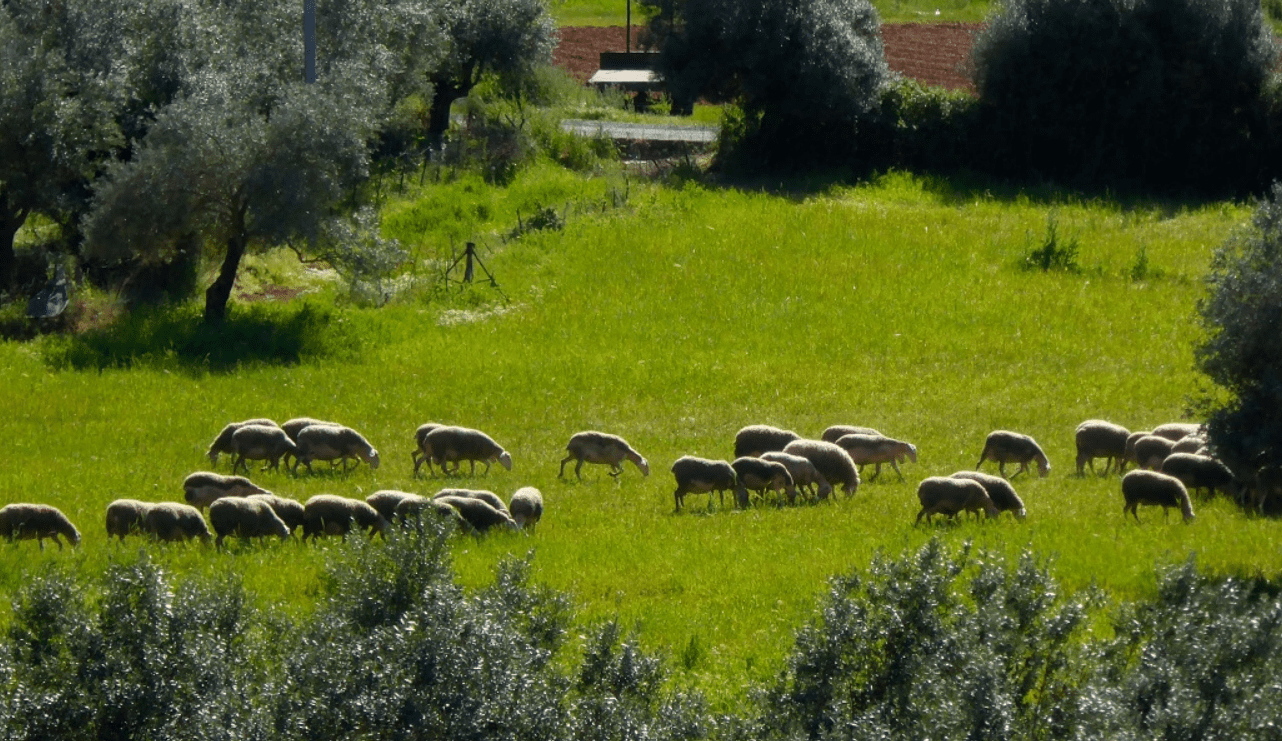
(934, 53)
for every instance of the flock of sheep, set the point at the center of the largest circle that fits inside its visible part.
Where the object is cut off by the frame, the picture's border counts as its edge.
(769, 462)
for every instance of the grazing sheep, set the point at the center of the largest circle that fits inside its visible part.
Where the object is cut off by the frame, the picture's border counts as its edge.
(261, 443)
(1130, 446)
(1005, 447)
(754, 440)
(422, 453)
(245, 518)
(488, 497)
(804, 474)
(125, 516)
(171, 521)
(333, 443)
(526, 507)
(290, 511)
(760, 475)
(1158, 489)
(836, 432)
(877, 449)
(454, 444)
(39, 521)
(222, 443)
(702, 476)
(1175, 431)
(1190, 444)
(949, 496)
(413, 507)
(478, 513)
(327, 514)
(1096, 438)
(1201, 472)
(832, 460)
(1151, 450)
(999, 490)
(385, 501)
(1268, 482)
(203, 487)
(298, 424)
(601, 447)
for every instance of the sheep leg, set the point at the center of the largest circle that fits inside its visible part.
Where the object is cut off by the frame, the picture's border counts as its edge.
(615, 469)
(1001, 468)
(566, 460)
(578, 470)
(876, 471)
(896, 467)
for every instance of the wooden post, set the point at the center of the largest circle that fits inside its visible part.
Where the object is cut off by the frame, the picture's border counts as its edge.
(627, 47)
(467, 269)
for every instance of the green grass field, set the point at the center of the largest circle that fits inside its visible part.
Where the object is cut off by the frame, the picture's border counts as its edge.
(673, 316)
(614, 12)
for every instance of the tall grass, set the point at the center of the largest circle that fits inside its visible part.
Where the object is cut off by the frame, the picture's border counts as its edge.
(674, 316)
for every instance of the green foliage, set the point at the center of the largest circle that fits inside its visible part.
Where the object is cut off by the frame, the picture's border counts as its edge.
(1152, 94)
(1242, 352)
(922, 128)
(1053, 253)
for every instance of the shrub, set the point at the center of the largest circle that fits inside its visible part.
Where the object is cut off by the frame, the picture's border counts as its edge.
(1165, 94)
(922, 128)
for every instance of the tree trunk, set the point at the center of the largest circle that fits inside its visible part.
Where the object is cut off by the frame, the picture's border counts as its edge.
(219, 292)
(11, 220)
(443, 96)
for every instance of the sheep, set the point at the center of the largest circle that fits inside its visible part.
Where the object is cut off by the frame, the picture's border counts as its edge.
(331, 443)
(478, 513)
(1175, 431)
(1190, 444)
(261, 443)
(949, 496)
(39, 521)
(422, 453)
(1159, 489)
(461, 443)
(222, 443)
(999, 491)
(1005, 447)
(171, 521)
(804, 474)
(488, 497)
(1096, 438)
(877, 449)
(125, 516)
(702, 476)
(1151, 450)
(413, 507)
(832, 460)
(327, 514)
(601, 447)
(298, 424)
(201, 488)
(290, 511)
(1130, 447)
(526, 507)
(754, 440)
(759, 475)
(836, 432)
(245, 518)
(1201, 472)
(1267, 482)
(386, 500)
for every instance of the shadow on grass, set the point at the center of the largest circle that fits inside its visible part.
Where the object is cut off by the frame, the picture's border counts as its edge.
(177, 339)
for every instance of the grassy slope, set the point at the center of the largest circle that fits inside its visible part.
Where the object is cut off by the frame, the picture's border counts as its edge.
(614, 12)
(674, 322)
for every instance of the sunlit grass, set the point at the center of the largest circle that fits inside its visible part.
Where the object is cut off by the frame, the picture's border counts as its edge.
(614, 12)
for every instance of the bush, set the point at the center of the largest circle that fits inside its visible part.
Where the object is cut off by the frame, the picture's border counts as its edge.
(922, 129)
(1161, 94)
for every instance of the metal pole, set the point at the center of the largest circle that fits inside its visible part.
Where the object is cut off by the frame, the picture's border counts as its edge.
(309, 41)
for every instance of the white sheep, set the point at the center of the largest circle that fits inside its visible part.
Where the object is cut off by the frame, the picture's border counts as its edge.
(261, 443)
(125, 516)
(999, 491)
(1133, 438)
(488, 497)
(1157, 489)
(696, 475)
(1201, 472)
(480, 516)
(1151, 450)
(290, 511)
(526, 507)
(941, 495)
(298, 424)
(22, 521)
(222, 443)
(754, 440)
(328, 514)
(333, 443)
(1005, 447)
(171, 521)
(202, 488)
(386, 500)
(836, 432)
(454, 444)
(1191, 444)
(245, 518)
(804, 474)
(412, 508)
(601, 447)
(422, 453)
(877, 449)
(760, 475)
(1097, 438)
(1176, 431)
(832, 460)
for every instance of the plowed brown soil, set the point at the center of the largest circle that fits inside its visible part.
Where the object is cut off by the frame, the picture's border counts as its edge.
(932, 53)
